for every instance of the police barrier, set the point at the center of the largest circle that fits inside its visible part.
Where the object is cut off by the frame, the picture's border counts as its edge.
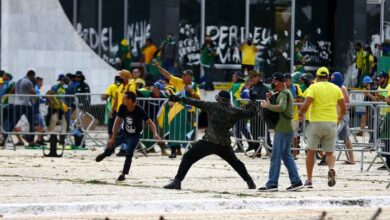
(176, 123)
(382, 146)
(35, 116)
(253, 131)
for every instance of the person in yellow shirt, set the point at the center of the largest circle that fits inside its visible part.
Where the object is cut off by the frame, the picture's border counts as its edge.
(323, 97)
(248, 59)
(110, 95)
(148, 54)
(183, 85)
(1, 77)
(296, 93)
(359, 61)
(184, 88)
(385, 133)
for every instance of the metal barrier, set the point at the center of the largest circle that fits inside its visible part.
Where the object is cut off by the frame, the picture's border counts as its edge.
(254, 131)
(382, 147)
(177, 124)
(37, 116)
(85, 116)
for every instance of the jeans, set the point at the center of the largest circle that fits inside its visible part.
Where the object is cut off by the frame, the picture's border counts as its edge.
(131, 141)
(202, 149)
(282, 151)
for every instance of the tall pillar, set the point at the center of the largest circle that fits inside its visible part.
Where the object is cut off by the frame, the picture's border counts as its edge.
(164, 18)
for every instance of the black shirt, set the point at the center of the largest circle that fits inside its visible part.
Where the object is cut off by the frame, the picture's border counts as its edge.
(132, 121)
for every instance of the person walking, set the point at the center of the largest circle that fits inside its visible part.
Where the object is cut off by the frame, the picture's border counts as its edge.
(324, 97)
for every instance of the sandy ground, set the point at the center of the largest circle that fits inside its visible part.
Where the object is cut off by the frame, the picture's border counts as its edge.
(27, 177)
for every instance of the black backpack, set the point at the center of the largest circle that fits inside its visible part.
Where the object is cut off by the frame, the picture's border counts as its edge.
(271, 117)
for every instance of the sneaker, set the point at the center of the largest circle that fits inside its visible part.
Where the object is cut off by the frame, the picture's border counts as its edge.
(295, 187)
(308, 184)
(100, 157)
(175, 184)
(121, 178)
(268, 189)
(251, 184)
(121, 153)
(331, 178)
(172, 156)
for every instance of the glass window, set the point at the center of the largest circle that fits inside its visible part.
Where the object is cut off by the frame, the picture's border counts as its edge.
(314, 24)
(270, 25)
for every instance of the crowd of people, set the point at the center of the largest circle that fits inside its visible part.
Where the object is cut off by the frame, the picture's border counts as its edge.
(324, 109)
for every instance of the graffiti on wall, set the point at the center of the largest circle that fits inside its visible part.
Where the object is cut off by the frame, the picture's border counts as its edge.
(137, 32)
(189, 45)
(229, 38)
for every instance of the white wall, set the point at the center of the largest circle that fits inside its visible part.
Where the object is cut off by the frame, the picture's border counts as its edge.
(36, 34)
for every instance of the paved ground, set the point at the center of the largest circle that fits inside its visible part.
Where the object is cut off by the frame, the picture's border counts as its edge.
(27, 177)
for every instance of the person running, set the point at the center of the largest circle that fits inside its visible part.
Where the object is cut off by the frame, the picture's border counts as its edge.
(131, 117)
(222, 116)
(284, 132)
(323, 97)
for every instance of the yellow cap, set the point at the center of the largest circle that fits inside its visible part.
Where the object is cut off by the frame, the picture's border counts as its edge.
(126, 74)
(322, 71)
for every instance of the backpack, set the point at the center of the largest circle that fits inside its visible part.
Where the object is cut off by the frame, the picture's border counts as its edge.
(271, 117)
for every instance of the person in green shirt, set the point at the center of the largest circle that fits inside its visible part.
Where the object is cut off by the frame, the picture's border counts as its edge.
(207, 54)
(281, 148)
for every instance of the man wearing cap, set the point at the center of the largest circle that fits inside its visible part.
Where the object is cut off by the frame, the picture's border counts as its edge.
(185, 88)
(127, 85)
(324, 97)
(221, 118)
(281, 148)
(248, 60)
(256, 128)
(81, 87)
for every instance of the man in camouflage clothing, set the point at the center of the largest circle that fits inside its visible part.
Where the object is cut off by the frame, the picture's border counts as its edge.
(222, 116)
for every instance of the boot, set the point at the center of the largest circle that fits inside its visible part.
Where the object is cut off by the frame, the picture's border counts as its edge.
(251, 184)
(163, 148)
(175, 184)
(178, 151)
(100, 157)
(173, 152)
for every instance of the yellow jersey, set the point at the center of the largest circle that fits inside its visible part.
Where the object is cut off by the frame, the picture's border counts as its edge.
(324, 105)
(248, 54)
(122, 89)
(149, 52)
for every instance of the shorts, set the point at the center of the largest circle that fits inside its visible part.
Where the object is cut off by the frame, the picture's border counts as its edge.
(342, 129)
(38, 120)
(321, 133)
